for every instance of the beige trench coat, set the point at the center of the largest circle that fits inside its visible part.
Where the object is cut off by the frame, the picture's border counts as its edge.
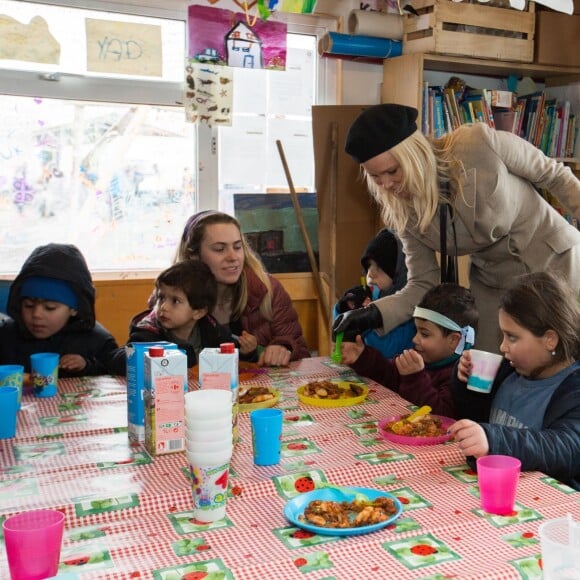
(502, 223)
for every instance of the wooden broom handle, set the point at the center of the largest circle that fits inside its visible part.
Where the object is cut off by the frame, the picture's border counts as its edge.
(321, 296)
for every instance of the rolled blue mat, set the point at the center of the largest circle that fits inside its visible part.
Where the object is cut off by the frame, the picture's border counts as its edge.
(355, 45)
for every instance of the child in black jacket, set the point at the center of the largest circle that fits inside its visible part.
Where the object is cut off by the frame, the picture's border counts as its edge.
(184, 295)
(51, 305)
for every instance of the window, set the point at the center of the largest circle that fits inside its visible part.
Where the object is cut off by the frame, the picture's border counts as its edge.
(107, 162)
(113, 179)
(275, 106)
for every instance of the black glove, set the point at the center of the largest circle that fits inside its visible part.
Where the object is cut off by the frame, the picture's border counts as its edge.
(354, 298)
(356, 322)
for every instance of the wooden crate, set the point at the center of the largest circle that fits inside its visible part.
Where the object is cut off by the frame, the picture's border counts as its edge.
(473, 30)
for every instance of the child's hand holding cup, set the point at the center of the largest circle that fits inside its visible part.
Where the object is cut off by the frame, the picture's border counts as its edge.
(478, 368)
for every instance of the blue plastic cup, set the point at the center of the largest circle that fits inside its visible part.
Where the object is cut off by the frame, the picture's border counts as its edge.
(8, 412)
(266, 435)
(44, 367)
(12, 376)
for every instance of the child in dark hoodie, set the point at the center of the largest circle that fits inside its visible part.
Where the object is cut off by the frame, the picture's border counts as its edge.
(383, 264)
(51, 305)
(184, 295)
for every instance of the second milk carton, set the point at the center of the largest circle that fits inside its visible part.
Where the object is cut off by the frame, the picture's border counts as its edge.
(165, 387)
(135, 386)
(218, 369)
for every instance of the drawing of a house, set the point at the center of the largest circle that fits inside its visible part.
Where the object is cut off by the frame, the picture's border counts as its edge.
(243, 47)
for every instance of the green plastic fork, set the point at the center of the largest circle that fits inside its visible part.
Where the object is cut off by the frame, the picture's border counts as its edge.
(336, 356)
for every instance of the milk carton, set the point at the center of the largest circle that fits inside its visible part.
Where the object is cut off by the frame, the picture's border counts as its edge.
(165, 386)
(218, 369)
(135, 387)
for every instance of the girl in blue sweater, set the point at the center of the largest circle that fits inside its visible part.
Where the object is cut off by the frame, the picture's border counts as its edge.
(533, 411)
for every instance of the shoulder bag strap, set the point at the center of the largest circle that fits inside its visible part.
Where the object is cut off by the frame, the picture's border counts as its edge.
(449, 269)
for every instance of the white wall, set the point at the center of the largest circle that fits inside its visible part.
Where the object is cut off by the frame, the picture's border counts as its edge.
(361, 83)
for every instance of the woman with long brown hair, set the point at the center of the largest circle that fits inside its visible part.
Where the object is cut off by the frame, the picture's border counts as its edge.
(251, 302)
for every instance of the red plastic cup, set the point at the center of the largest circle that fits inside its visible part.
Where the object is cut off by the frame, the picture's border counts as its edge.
(498, 482)
(33, 540)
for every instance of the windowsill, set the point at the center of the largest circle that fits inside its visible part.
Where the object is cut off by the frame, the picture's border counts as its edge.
(113, 275)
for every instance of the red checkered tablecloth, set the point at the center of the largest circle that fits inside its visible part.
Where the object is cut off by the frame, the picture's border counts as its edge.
(130, 516)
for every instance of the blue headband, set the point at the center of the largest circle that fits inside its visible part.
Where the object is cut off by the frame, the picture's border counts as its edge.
(51, 289)
(467, 333)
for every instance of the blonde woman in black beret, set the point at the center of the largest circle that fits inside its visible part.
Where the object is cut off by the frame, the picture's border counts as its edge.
(483, 182)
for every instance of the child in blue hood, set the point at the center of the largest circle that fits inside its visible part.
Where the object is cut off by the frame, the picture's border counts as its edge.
(51, 305)
(383, 264)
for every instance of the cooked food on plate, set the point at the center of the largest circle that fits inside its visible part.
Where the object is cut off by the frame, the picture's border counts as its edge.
(253, 395)
(354, 514)
(330, 390)
(425, 426)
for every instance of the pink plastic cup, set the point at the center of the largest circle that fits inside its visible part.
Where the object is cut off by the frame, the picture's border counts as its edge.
(33, 540)
(498, 482)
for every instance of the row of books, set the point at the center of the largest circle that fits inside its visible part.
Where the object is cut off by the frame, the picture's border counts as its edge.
(447, 109)
(547, 123)
(541, 120)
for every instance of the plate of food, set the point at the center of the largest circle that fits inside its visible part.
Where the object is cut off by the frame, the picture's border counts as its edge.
(255, 397)
(344, 511)
(426, 430)
(332, 393)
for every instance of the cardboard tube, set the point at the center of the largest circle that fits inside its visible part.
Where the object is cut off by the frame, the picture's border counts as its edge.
(363, 46)
(378, 24)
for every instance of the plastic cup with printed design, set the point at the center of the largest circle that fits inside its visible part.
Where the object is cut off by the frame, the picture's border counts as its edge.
(266, 435)
(209, 483)
(485, 367)
(12, 376)
(44, 367)
(33, 541)
(209, 489)
(498, 476)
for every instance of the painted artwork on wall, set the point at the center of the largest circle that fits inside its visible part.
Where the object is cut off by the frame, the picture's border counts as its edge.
(271, 227)
(227, 38)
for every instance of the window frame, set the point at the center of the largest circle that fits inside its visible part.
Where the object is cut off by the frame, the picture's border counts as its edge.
(152, 92)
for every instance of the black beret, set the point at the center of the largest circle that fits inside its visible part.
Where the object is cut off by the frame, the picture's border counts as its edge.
(378, 129)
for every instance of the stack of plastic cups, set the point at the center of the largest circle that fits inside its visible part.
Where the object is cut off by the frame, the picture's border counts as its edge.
(209, 447)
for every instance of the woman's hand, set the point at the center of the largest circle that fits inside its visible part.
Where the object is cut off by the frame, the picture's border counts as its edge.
(470, 437)
(275, 355)
(72, 362)
(350, 351)
(357, 321)
(409, 362)
(464, 366)
(248, 342)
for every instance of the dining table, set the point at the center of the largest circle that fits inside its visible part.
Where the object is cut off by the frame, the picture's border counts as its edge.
(130, 515)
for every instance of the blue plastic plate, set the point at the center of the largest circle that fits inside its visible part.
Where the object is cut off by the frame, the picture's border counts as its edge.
(294, 509)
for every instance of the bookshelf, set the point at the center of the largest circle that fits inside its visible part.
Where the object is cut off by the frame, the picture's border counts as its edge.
(403, 76)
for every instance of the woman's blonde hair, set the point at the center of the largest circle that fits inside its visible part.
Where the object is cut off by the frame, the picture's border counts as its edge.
(425, 165)
(190, 249)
